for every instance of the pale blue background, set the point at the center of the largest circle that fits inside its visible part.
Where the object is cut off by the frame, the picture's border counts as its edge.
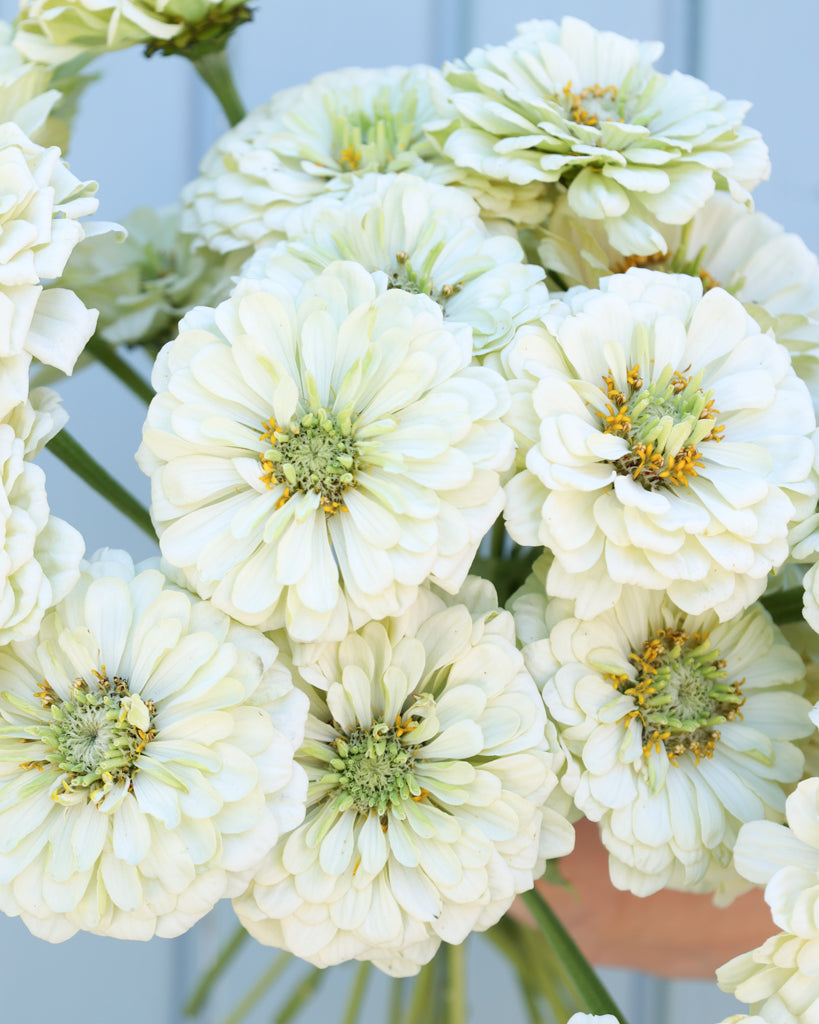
(140, 134)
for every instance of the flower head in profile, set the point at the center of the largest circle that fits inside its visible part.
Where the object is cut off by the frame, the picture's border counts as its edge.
(142, 285)
(308, 141)
(316, 455)
(572, 105)
(146, 758)
(428, 804)
(669, 445)
(428, 239)
(780, 981)
(41, 205)
(57, 31)
(39, 554)
(679, 729)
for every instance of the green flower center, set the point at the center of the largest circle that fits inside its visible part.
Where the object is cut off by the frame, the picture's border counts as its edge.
(96, 737)
(420, 282)
(374, 768)
(315, 453)
(376, 141)
(680, 693)
(662, 423)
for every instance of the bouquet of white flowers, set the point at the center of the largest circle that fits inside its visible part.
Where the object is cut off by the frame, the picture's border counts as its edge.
(482, 443)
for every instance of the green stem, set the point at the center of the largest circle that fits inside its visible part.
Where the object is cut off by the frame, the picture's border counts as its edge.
(226, 954)
(258, 989)
(214, 70)
(357, 993)
(419, 1010)
(111, 360)
(300, 995)
(456, 984)
(577, 967)
(72, 454)
(396, 1005)
(785, 606)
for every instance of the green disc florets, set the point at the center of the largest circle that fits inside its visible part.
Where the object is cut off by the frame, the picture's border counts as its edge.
(419, 281)
(377, 141)
(315, 453)
(680, 693)
(374, 768)
(662, 422)
(96, 737)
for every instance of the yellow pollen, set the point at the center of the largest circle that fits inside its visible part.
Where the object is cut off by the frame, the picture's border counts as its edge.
(579, 113)
(350, 157)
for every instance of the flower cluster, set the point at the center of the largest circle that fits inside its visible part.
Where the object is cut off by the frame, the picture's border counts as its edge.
(513, 319)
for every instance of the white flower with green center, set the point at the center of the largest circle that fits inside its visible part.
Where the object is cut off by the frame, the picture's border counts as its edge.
(680, 729)
(772, 273)
(318, 451)
(780, 981)
(57, 31)
(569, 105)
(39, 554)
(144, 284)
(40, 206)
(429, 803)
(429, 240)
(308, 141)
(146, 758)
(668, 445)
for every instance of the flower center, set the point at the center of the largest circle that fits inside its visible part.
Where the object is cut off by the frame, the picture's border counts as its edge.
(680, 693)
(662, 423)
(315, 453)
(670, 263)
(373, 769)
(364, 141)
(593, 104)
(419, 282)
(96, 737)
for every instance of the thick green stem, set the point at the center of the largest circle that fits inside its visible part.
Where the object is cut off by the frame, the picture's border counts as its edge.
(785, 606)
(113, 361)
(72, 454)
(300, 995)
(214, 972)
(577, 967)
(357, 993)
(214, 70)
(258, 989)
(456, 1012)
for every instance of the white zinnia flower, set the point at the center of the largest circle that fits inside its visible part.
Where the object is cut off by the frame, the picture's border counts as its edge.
(671, 445)
(146, 758)
(772, 273)
(428, 239)
(307, 141)
(39, 554)
(780, 981)
(56, 31)
(144, 284)
(40, 203)
(679, 727)
(316, 456)
(429, 776)
(567, 103)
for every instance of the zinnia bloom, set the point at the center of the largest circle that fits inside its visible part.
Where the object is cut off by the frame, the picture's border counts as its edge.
(571, 105)
(680, 729)
(428, 805)
(316, 455)
(670, 445)
(146, 758)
